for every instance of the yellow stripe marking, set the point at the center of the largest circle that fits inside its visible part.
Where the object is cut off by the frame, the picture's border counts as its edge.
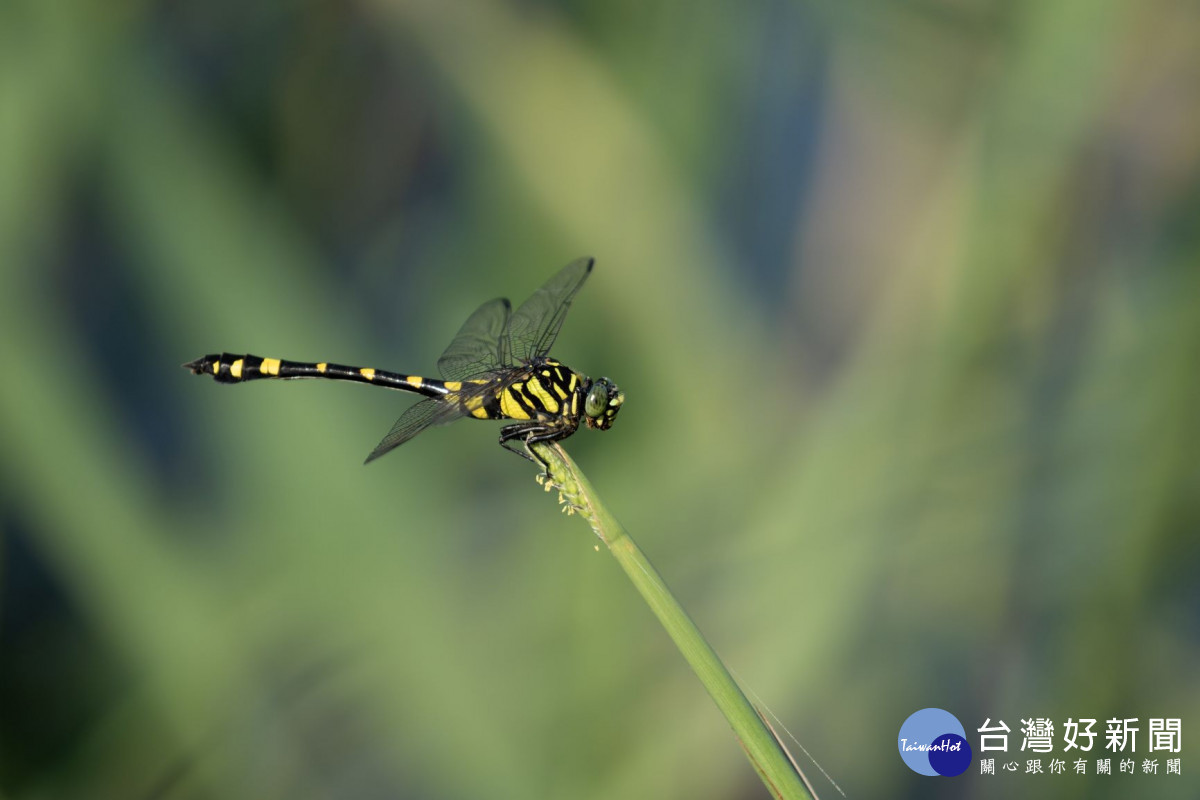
(475, 406)
(322, 367)
(217, 367)
(235, 369)
(453, 386)
(559, 390)
(269, 366)
(509, 405)
(415, 380)
(534, 387)
(367, 373)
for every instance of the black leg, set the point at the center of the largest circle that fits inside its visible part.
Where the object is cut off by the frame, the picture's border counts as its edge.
(523, 433)
(530, 433)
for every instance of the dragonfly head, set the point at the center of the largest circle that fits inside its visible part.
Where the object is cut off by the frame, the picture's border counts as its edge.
(602, 403)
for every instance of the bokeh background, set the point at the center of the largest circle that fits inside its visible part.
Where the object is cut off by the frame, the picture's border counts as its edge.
(905, 299)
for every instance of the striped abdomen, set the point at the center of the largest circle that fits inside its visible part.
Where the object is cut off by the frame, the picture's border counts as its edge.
(231, 368)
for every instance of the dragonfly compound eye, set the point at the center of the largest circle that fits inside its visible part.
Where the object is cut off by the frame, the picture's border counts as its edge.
(603, 402)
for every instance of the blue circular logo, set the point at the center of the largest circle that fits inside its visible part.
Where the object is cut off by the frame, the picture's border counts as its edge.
(934, 742)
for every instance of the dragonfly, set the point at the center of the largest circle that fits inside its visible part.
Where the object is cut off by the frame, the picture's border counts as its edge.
(497, 367)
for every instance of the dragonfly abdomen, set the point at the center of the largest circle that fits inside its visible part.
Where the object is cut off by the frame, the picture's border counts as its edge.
(236, 368)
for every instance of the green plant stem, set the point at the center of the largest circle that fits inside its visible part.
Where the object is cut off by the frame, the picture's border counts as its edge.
(765, 752)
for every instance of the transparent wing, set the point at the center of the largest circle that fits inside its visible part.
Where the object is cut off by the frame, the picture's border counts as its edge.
(534, 326)
(425, 414)
(475, 349)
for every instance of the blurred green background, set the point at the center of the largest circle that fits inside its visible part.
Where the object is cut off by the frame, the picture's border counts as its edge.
(905, 299)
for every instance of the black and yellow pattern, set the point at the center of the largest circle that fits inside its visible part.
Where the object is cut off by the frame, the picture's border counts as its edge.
(495, 368)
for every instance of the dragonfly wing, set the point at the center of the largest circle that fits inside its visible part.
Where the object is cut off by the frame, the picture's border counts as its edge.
(475, 349)
(425, 414)
(535, 325)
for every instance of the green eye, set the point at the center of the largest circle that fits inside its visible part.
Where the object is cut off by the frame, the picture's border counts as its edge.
(597, 399)
(602, 403)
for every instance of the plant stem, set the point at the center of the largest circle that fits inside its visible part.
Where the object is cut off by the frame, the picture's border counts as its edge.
(769, 758)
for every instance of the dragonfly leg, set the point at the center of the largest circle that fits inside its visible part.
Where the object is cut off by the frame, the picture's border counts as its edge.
(528, 433)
